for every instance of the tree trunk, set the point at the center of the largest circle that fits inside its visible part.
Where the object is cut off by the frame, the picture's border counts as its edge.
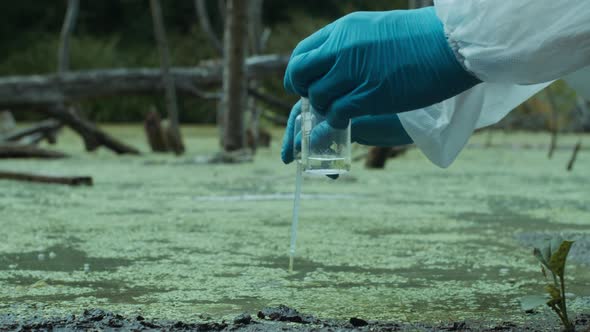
(234, 78)
(171, 102)
(254, 36)
(154, 132)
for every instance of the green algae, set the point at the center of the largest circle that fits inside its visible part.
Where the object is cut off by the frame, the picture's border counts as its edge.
(170, 238)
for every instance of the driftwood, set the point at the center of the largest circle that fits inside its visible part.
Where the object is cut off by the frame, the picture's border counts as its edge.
(26, 91)
(43, 130)
(66, 180)
(28, 151)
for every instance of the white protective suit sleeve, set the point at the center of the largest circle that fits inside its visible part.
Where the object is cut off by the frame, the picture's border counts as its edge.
(506, 44)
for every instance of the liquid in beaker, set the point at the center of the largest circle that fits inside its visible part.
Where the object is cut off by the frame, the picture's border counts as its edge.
(327, 151)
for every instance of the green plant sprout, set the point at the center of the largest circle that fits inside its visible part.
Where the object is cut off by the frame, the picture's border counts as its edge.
(553, 258)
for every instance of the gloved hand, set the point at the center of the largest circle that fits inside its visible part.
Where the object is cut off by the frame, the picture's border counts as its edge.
(376, 63)
(373, 130)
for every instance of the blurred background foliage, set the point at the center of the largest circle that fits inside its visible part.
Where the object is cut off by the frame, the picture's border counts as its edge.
(118, 33)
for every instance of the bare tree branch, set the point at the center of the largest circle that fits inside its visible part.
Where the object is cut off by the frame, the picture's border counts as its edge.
(45, 129)
(66, 31)
(571, 163)
(47, 179)
(205, 22)
(222, 8)
(270, 100)
(93, 137)
(27, 151)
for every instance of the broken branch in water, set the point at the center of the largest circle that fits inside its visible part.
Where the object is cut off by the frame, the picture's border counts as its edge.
(66, 180)
(577, 148)
(28, 151)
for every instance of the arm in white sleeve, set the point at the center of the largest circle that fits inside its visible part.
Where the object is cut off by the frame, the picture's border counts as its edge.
(442, 130)
(509, 45)
(518, 41)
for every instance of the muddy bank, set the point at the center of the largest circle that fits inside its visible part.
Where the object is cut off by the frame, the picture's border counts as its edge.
(281, 318)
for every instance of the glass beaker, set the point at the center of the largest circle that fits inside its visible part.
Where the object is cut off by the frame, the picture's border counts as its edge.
(327, 151)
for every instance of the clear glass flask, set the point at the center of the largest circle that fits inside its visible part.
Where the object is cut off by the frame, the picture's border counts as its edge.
(327, 151)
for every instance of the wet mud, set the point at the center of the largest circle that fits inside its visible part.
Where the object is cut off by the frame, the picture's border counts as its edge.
(281, 318)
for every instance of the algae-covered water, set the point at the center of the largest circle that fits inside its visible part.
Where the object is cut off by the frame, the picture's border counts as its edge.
(170, 238)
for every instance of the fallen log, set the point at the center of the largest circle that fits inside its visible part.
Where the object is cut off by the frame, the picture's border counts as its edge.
(49, 179)
(43, 130)
(14, 151)
(26, 91)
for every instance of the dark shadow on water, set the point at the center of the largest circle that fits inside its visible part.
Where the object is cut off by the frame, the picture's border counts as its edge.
(59, 258)
(115, 291)
(128, 212)
(418, 276)
(514, 211)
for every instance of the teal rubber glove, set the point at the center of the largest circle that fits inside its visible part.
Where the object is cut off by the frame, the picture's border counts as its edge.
(376, 63)
(373, 130)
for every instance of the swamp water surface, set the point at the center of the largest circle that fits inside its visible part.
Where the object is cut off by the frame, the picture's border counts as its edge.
(163, 237)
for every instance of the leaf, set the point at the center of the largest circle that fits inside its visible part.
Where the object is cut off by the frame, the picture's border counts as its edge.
(559, 257)
(528, 303)
(554, 244)
(546, 252)
(540, 257)
(553, 292)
